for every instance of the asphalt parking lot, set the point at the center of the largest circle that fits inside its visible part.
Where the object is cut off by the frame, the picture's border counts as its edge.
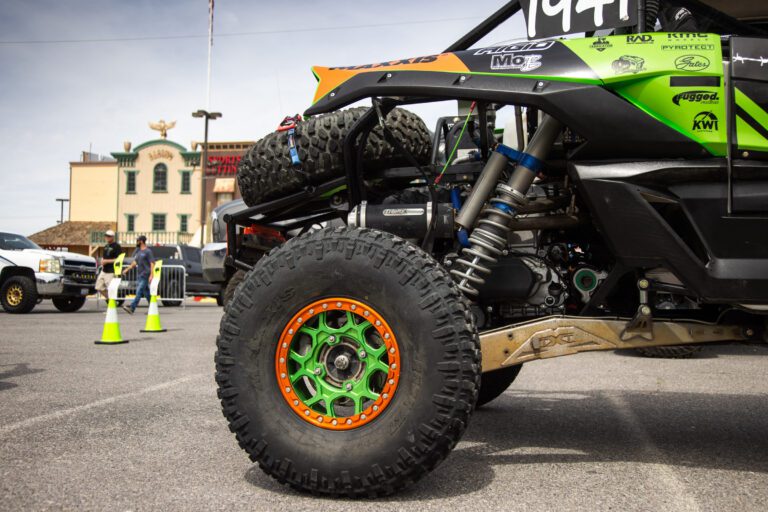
(138, 427)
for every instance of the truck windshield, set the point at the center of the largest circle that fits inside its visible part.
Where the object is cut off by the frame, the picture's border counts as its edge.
(11, 242)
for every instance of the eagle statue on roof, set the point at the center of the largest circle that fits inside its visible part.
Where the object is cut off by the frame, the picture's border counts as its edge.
(162, 127)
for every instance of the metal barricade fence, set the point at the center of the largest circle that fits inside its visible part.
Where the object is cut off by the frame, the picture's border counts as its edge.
(172, 290)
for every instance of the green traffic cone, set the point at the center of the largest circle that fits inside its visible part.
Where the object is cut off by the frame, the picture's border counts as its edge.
(153, 317)
(111, 333)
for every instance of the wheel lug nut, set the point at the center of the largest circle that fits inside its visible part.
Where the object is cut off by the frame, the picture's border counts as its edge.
(318, 371)
(331, 339)
(349, 386)
(349, 422)
(392, 350)
(353, 307)
(338, 304)
(362, 354)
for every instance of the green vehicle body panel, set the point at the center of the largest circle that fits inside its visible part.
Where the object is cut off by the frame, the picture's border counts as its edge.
(696, 111)
(676, 78)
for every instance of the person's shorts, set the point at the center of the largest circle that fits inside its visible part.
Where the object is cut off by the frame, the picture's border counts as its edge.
(103, 280)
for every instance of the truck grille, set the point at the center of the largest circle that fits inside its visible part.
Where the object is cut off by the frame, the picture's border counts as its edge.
(80, 272)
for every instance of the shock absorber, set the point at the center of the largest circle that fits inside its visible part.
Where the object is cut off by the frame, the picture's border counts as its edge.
(488, 239)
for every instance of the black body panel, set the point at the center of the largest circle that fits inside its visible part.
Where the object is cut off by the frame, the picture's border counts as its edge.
(612, 126)
(718, 257)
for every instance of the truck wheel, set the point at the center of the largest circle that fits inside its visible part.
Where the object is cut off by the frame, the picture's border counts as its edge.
(68, 304)
(670, 352)
(347, 363)
(229, 291)
(266, 172)
(18, 294)
(493, 384)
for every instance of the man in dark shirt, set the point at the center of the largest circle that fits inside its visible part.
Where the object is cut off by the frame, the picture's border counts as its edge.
(144, 261)
(111, 251)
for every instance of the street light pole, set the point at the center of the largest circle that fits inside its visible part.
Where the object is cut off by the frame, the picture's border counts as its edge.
(62, 201)
(203, 166)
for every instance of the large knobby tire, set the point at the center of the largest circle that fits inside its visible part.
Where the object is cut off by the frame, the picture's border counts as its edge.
(232, 284)
(493, 384)
(68, 304)
(433, 345)
(18, 294)
(670, 352)
(265, 172)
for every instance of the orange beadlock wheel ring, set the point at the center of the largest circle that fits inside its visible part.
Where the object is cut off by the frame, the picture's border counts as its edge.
(337, 364)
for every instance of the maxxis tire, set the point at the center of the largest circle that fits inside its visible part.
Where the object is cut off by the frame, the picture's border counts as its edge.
(265, 172)
(670, 352)
(28, 291)
(68, 304)
(493, 384)
(439, 363)
(232, 284)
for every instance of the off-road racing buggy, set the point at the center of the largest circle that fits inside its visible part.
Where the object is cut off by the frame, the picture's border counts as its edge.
(625, 206)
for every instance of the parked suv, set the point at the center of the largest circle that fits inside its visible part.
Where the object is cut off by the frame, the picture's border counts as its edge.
(30, 274)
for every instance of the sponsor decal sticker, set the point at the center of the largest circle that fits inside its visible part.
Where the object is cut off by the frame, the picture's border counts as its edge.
(705, 97)
(415, 60)
(628, 64)
(527, 62)
(686, 41)
(601, 44)
(692, 63)
(537, 46)
(705, 122)
(639, 39)
(399, 212)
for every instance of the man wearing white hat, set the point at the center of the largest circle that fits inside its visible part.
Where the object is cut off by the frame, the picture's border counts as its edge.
(111, 251)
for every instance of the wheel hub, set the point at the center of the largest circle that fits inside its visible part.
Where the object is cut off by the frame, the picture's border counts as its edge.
(14, 295)
(338, 364)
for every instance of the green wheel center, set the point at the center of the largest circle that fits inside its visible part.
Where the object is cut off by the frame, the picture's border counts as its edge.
(338, 364)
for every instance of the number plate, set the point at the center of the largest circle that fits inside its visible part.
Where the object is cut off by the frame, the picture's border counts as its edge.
(547, 18)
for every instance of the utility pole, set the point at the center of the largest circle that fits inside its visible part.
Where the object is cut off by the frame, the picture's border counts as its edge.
(203, 167)
(62, 201)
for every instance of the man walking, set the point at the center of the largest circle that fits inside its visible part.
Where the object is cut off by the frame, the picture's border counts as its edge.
(111, 251)
(144, 261)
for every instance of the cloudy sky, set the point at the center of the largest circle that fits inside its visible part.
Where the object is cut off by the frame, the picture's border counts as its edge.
(86, 74)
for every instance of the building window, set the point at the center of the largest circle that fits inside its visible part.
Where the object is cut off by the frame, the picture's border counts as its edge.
(184, 223)
(130, 182)
(186, 182)
(158, 222)
(130, 222)
(160, 178)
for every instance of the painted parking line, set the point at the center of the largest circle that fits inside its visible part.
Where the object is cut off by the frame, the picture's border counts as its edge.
(7, 429)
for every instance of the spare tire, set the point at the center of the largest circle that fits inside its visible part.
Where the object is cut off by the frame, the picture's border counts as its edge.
(265, 172)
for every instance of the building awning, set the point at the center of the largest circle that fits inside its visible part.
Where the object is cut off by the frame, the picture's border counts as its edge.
(224, 186)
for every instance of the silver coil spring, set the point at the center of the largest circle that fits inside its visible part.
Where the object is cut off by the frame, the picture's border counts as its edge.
(487, 241)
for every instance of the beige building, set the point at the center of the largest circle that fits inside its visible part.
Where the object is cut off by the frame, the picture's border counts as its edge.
(158, 191)
(153, 189)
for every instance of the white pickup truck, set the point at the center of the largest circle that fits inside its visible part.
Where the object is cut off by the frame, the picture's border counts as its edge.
(29, 274)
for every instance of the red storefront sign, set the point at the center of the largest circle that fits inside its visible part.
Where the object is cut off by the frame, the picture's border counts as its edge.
(223, 165)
